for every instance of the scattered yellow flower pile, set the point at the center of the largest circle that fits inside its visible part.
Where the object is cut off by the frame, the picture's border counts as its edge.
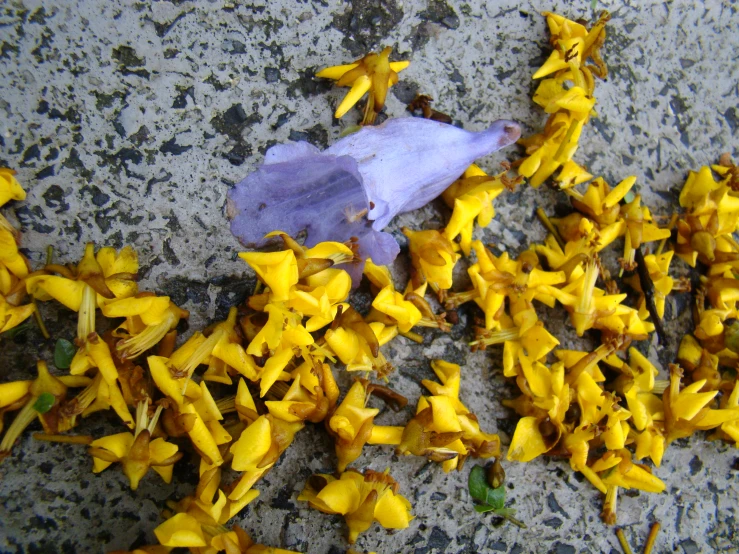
(576, 404)
(270, 361)
(273, 359)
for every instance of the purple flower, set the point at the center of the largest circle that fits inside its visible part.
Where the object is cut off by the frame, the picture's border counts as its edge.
(359, 184)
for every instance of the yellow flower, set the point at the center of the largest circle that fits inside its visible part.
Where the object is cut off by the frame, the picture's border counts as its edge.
(549, 150)
(443, 429)
(351, 424)
(148, 319)
(729, 429)
(10, 188)
(600, 203)
(137, 452)
(277, 270)
(586, 307)
(563, 29)
(686, 409)
(471, 196)
(300, 404)
(658, 268)
(433, 258)
(639, 230)
(10, 258)
(259, 447)
(553, 96)
(616, 469)
(43, 395)
(199, 518)
(361, 499)
(391, 303)
(374, 73)
(89, 285)
(494, 278)
(12, 316)
(713, 214)
(357, 343)
(544, 409)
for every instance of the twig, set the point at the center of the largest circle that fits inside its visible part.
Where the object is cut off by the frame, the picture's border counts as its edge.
(69, 439)
(647, 287)
(39, 321)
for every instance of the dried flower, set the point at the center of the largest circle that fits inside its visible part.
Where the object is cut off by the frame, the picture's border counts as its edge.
(361, 499)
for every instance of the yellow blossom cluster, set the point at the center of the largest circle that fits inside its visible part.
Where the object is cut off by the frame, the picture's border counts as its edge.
(277, 346)
(14, 267)
(588, 402)
(567, 95)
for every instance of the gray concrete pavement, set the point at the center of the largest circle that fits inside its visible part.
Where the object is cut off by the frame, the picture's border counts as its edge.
(129, 121)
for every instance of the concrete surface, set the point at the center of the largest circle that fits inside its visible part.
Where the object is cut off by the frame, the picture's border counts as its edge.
(128, 122)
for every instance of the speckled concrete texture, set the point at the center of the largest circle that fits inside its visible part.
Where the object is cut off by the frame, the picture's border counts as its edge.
(129, 121)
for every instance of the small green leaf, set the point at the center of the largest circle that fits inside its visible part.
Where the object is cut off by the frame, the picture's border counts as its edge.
(477, 484)
(484, 508)
(64, 351)
(350, 130)
(44, 402)
(593, 4)
(480, 490)
(629, 197)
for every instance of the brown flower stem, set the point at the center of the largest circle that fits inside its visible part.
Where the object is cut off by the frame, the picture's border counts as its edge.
(68, 439)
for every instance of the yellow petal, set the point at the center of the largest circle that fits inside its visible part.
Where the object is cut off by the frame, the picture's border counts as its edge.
(118, 445)
(336, 71)
(341, 497)
(392, 511)
(180, 530)
(163, 378)
(206, 406)
(13, 391)
(278, 270)
(445, 416)
(359, 89)
(251, 447)
(63, 290)
(233, 507)
(399, 66)
(272, 370)
(527, 442)
(201, 437)
(235, 356)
